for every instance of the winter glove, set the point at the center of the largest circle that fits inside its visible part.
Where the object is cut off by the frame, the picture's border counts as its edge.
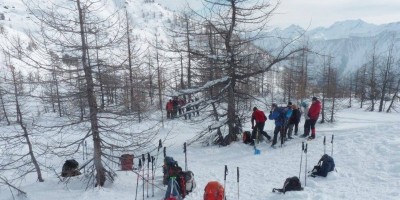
(270, 112)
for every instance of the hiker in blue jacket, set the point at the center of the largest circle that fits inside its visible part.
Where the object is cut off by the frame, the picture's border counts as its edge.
(281, 116)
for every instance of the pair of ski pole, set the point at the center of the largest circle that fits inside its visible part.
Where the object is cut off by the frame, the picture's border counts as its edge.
(325, 145)
(237, 180)
(303, 150)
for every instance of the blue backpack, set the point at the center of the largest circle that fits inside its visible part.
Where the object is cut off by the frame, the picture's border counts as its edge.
(284, 114)
(325, 165)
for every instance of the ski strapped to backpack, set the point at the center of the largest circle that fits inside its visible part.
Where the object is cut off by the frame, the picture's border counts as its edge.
(325, 164)
(291, 184)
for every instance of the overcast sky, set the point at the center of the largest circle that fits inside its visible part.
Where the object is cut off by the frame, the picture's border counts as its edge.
(314, 13)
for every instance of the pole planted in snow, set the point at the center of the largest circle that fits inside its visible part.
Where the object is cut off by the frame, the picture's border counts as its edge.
(305, 170)
(301, 157)
(152, 177)
(184, 151)
(225, 173)
(238, 181)
(332, 146)
(148, 172)
(324, 145)
(138, 174)
(144, 161)
(158, 151)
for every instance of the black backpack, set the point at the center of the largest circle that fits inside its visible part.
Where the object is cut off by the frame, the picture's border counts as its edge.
(325, 165)
(291, 184)
(70, 168)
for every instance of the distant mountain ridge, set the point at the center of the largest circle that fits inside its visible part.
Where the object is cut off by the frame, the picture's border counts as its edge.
(343, 29)
(349, 42)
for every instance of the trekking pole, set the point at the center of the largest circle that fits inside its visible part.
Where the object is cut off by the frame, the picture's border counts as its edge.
(138, 174)
(332, 146)
(184, 151)
(144, 161)
(152, 176)
(165, 152)
(148, 172)
(238, 181)
(225, 173)
(301, 157)
(305, 170)
(324, 145)
(158, 151)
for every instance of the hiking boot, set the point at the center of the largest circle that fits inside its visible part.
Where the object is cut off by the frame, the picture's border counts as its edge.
(290, 138)
(295, 134)
(311, 137)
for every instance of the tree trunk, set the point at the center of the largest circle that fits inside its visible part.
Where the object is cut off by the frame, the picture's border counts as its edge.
(159, 85)
(26, 135)
(4, 108)
(91, 98)
(395, 95)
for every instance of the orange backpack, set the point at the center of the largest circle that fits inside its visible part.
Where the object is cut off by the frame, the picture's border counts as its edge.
(213, 191)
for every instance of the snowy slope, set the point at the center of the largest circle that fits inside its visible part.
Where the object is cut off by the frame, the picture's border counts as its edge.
(365, 150)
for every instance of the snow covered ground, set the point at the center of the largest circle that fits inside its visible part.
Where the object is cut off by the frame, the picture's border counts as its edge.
(366, 152)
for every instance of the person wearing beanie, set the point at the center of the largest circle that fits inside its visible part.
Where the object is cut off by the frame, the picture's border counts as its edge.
(313, 113)
(259, 117)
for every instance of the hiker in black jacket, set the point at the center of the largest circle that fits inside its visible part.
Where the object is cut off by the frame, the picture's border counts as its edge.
(294, 121)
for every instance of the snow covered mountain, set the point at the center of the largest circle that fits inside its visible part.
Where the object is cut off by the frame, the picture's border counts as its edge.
(349, 42)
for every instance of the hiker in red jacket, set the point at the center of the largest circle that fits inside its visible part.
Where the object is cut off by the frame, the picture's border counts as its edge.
(259, 117)
(313, 113)
(170, 108)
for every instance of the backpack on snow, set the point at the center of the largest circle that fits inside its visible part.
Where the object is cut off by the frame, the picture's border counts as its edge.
(190, 184)
(247, 138)
(126, 162)
(184, 179)
(213, 191)
(70, 168)
(291, 184)
(325, 164)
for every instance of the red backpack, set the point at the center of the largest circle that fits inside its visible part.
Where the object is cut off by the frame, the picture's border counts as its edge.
(213, 191)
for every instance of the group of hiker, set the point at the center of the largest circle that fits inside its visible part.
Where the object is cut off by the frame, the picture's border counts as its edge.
(287, 120)
(180, 106)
